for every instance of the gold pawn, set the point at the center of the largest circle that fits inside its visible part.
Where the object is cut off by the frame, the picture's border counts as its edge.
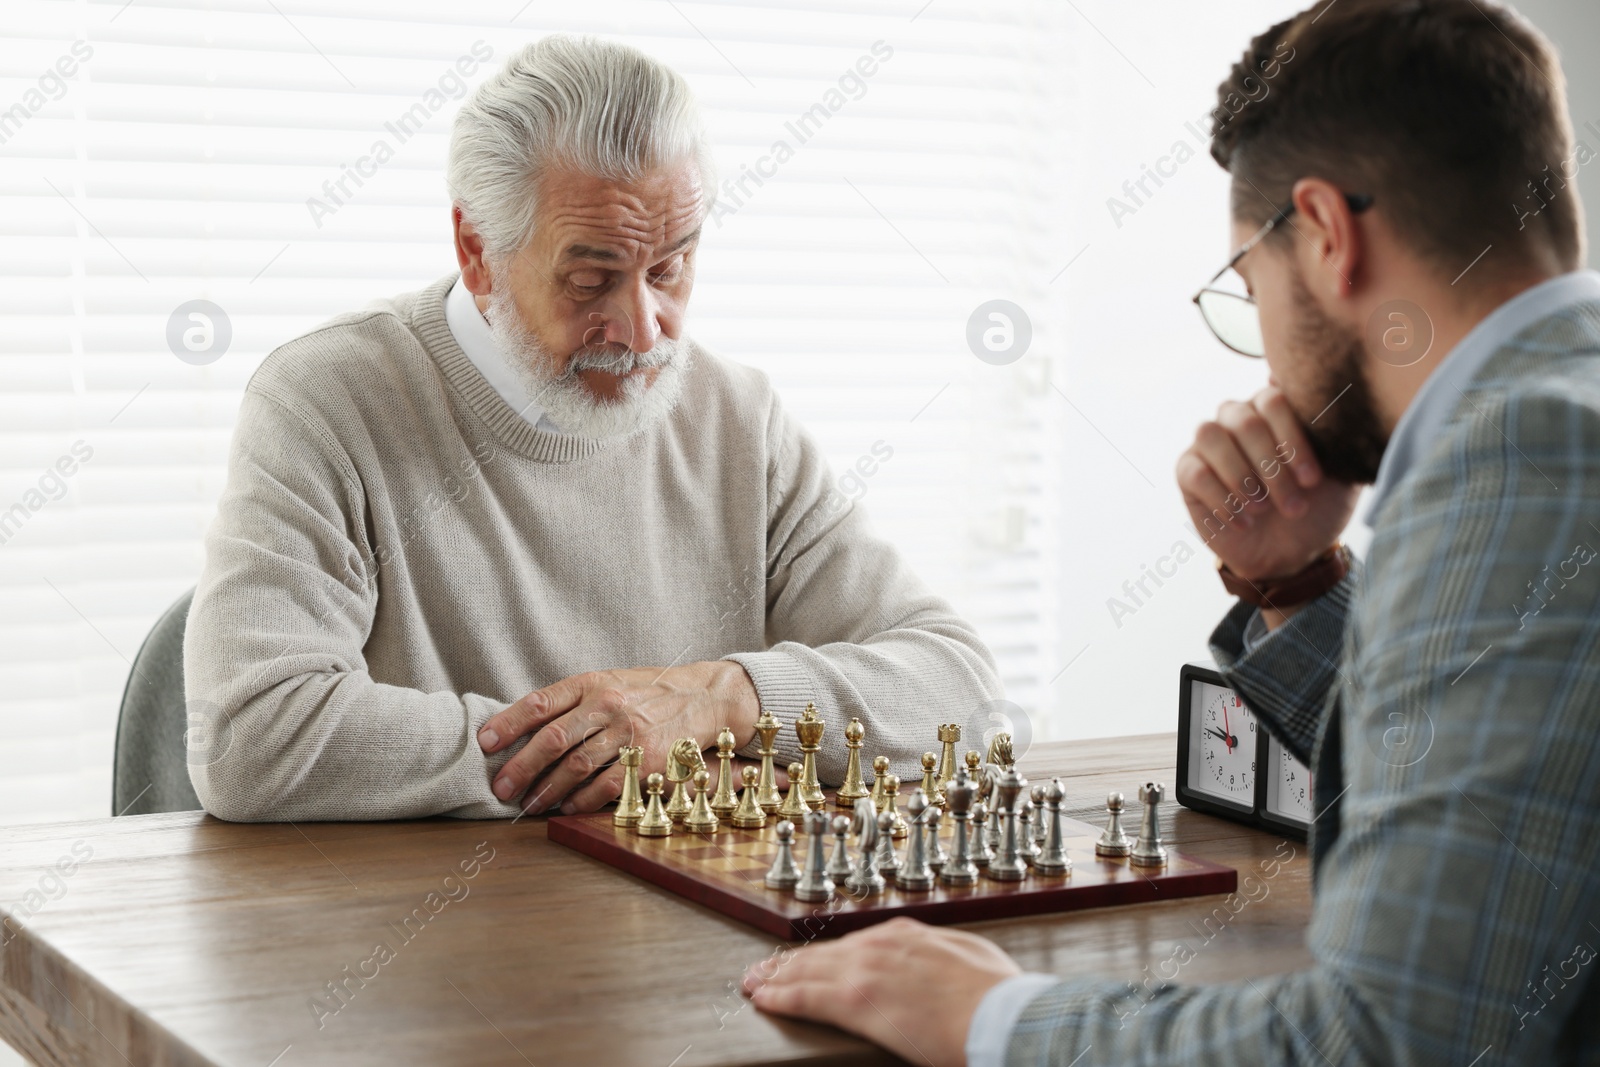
(767, 785)
(794, 806)
(701, 819)
(891, 792)
(654, 822)
(974, 760)
(853, 788)
(630, 805)
(748, 815)
(949, 734)
(930, 778)
(880, 770)
(724, 802)
(809, 729)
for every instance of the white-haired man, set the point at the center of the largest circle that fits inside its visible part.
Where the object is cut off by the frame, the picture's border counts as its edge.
(476, 538)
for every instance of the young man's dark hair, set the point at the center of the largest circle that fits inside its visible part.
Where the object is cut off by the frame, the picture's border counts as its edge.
(1449, 113)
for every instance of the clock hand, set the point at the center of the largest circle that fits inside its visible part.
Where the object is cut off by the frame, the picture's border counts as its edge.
(1229, 739)
(1224, 738)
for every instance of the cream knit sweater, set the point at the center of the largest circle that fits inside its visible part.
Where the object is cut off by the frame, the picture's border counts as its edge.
(398, 555)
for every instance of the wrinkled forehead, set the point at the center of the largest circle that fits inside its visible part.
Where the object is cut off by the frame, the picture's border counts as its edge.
(584, 219)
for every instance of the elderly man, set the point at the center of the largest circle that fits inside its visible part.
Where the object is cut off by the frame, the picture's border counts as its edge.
(476, 538)
(1428, 331)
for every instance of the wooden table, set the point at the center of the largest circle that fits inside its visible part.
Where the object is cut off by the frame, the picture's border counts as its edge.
(180, 939)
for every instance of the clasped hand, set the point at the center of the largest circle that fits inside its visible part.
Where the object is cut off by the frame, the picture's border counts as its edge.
(579, 724)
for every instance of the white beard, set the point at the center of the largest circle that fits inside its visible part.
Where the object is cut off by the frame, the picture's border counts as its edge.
(563, 396)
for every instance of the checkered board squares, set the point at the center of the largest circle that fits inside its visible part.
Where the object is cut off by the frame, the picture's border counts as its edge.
(725, 872)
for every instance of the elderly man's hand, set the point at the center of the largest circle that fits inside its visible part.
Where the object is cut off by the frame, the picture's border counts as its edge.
(580, 723)
(906, 986)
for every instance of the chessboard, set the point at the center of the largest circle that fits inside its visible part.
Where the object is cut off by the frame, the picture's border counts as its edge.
(725, 871)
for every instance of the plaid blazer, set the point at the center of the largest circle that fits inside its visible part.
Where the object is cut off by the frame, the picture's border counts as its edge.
(1447, 695)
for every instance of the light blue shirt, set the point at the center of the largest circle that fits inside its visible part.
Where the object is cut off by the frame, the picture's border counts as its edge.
(989, 1033)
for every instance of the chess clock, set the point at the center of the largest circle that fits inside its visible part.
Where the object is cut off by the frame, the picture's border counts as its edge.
(1229, 765)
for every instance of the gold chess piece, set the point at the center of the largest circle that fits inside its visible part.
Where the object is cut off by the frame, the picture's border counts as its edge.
(630, 805)
(794, 806)
(748, 815)
(701, 819)
(682, 762)
(930, 779)
(809, 728)
(767, 784)
(949, 734)
(891, 791)
(974, 759)
(853, 788)
(1000, 751)
(654, 822)
(880, 771)
(724, 802)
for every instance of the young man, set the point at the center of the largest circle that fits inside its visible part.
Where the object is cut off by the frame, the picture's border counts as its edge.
(1427, 329)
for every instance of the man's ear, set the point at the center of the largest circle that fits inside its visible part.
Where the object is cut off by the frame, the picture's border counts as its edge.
(1326, 236)
(475, 272)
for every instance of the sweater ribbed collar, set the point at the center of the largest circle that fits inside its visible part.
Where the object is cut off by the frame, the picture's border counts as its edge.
(511, 429)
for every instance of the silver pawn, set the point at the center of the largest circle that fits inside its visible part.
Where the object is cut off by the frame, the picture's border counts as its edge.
(839, 863)
(1114, 841)
(1027, 814)
(981, 852)
(959, 868)
(937, 856)
(888, 858)
(1036, 794)
(1008, 865)
(1148, 851)
(1052, 857)
(914, 873)
(864, 878)
(783, 873)
(815, 886)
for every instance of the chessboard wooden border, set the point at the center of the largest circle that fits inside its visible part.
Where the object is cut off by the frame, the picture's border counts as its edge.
(786, 917)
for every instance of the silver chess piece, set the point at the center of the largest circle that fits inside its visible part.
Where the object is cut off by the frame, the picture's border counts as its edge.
(888, 857)
(815, 886)
(937, 856)
(981, 852)
(959, 795)
(1008, 864)
(864, 878)
(1052, 857)
(1036, 794)
(915, 874)
(991, 773)
(1027, 815)
(839, 862)
(1148, 851)
(784, 874)
(1114, 842)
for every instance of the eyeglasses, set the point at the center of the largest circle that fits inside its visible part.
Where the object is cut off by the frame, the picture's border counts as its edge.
(1234, 318)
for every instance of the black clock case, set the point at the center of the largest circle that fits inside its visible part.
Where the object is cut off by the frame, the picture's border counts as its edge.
(1258, 816)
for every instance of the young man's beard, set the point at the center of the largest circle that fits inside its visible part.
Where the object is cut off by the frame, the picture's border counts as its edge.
(1346, 435)
(562, 394)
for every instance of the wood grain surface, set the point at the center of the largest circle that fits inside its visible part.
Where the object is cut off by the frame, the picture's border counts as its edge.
(180, 939)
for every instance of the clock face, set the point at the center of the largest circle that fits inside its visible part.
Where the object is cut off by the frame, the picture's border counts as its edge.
(1222, 745)
(1289, 789)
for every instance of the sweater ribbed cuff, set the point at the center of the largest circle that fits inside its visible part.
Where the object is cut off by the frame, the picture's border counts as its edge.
(784, 688)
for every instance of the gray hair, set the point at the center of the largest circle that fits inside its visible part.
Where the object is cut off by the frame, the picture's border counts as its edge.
(581, 103)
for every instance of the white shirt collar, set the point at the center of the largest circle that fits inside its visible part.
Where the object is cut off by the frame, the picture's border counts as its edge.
(1436, 401)
(472, 333)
